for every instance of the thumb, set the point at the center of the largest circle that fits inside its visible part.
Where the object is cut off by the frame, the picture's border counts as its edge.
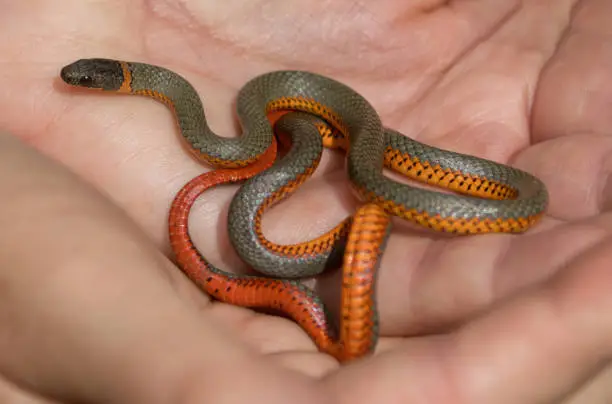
(92, 312)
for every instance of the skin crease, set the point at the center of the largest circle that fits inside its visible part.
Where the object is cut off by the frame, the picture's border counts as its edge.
(93, 310)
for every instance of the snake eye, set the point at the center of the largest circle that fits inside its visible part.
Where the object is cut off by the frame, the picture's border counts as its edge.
(86, 80)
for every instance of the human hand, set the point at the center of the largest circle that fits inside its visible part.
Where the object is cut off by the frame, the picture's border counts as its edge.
(484, 78)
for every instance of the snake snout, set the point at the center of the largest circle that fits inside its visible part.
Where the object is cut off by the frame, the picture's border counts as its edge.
(71, 75)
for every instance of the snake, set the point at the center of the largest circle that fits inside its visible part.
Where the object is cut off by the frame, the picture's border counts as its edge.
(486, 197)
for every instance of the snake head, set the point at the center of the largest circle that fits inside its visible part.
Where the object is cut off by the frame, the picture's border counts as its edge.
(103, 74)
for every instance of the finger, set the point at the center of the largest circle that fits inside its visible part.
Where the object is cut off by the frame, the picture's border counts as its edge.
(571, 110)
(91, 312)
(597, 391)
(576, 170)
(11, 394)
(575, 88)
(480, 106)
(536, 348)
(433, 285)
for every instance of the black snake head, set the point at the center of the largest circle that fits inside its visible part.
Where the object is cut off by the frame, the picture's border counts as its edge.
(103, 74)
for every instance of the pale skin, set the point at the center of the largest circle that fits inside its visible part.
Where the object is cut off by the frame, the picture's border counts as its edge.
(93, 309)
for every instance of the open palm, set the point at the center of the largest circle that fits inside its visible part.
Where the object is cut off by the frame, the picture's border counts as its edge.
(499, 318)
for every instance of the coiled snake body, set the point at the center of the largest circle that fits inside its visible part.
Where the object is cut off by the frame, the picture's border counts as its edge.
(316, 112)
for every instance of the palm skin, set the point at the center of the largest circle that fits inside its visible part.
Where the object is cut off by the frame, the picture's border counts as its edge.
(496, 318)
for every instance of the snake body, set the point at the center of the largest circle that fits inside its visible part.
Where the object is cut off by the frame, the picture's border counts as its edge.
(489, 197)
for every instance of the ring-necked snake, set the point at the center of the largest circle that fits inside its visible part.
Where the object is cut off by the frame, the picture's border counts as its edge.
(489, 197)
